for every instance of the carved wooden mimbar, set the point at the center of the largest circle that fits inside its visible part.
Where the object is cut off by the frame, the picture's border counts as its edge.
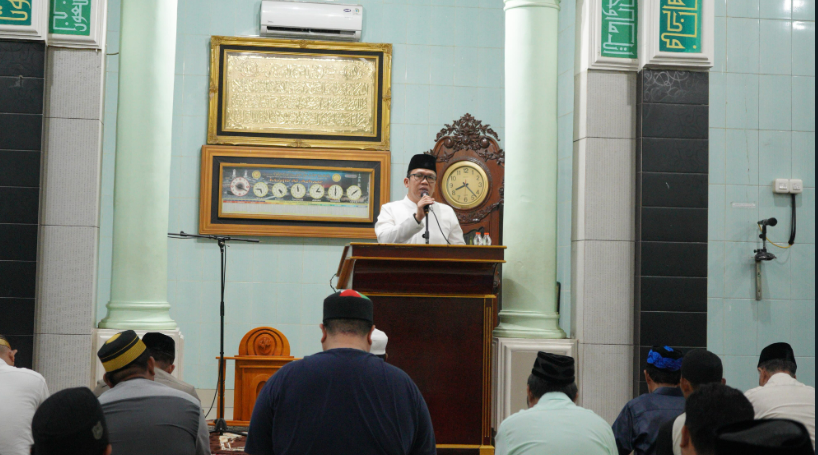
(262, 352)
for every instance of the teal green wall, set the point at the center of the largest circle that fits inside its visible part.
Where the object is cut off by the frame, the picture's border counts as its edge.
(762, 127)
(565, 154)
(448, 60)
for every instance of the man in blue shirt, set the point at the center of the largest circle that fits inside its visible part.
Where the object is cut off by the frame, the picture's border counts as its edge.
(343, 400)
(637, 426)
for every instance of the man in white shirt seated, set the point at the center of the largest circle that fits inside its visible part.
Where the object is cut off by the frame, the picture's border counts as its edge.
(780, 395)
(405, 221)
(21, 392)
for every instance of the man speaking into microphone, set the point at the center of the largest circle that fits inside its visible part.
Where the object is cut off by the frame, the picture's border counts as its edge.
(406, 221)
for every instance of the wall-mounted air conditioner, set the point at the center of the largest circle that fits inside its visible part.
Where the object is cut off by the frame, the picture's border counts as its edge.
(318, 21)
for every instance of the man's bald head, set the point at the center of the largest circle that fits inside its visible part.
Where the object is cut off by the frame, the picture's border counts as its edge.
(6, 352)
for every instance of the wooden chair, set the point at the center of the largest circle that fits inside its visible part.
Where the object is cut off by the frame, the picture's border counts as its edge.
(262, 352)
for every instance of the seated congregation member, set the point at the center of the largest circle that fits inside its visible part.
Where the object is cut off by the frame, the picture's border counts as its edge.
(21, 392)
(379, 340)
(553, 423)
(699, 367)
(163, 350)
(343, 400)
(638, 424)
(145, 417)
(405, 221)
(780, 395)
(706, 410)
(762, 437)
(70, 422)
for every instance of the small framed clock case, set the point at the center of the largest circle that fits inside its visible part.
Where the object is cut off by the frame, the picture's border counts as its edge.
(291, 192)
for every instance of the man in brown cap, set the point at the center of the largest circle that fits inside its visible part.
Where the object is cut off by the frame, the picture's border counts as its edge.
(553, 423)
(405, 221)
(780, 395)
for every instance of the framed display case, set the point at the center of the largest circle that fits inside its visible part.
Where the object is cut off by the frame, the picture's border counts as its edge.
(292, 192)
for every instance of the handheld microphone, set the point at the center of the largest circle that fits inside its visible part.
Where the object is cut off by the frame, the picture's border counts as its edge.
(768, 222)
(426, 207)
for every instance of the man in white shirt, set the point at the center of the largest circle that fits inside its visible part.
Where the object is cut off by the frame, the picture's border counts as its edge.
(405, 221)
(21, 392)
(780, 395)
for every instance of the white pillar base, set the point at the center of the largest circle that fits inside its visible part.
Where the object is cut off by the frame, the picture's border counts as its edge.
(513, 360)
(100, 336)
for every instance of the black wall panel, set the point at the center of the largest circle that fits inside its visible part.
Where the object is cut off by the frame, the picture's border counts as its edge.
(22, 81)
(671, 213)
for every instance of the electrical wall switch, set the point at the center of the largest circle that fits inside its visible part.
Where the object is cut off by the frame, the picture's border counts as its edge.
(781, 186)
(796, 186)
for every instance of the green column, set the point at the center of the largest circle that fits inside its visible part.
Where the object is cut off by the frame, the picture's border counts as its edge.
(530, 213)
(139, 292)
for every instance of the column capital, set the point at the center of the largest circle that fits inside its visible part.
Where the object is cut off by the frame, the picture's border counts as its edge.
(511, 4)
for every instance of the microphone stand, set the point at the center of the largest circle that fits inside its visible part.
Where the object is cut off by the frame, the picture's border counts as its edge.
(220, 424)
(426, 235)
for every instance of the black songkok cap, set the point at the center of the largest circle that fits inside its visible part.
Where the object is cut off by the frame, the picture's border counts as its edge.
(764, 437)
(70, 422)
(777, 351)
(348, 304)
(556, 369)
(422, 161)
(159, 342)
(700, 366)
(120, 350)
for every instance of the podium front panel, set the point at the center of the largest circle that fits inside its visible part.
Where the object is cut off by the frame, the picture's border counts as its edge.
(443, 343)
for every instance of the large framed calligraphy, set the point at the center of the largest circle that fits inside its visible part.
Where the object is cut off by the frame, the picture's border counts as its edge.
(292, 192)
(23, 19)
(677, 33)
(297, 93)
(77, 23)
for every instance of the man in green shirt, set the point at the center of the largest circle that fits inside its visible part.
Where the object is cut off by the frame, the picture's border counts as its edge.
(553, 423)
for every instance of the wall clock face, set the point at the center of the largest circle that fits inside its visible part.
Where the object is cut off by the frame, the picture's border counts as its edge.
(465, 185)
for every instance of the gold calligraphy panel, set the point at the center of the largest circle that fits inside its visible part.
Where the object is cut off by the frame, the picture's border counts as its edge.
(299, 93)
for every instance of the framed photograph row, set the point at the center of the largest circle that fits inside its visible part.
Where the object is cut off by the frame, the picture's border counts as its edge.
(292, 192)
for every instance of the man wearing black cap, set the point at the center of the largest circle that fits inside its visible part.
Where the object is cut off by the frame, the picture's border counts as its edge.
(780, 395)
(70, 422)
(343, 400)
(405, 221)
(553, 423)
(699, 367)
(21, 391)
(764, 437)
(163, 350)
(144, 416)
(638, 424)
(707, 409)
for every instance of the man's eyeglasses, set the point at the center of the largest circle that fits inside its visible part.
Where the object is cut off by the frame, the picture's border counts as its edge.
(420, 177)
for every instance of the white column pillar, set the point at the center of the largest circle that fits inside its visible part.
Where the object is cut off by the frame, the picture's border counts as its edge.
(530, 213)
(139, 295)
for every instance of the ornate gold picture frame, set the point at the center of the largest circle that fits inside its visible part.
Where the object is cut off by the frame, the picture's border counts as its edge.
(292, 192)
(298, 93)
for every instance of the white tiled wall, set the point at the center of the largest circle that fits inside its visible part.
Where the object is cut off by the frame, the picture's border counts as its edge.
(762, 127)
(448, 61)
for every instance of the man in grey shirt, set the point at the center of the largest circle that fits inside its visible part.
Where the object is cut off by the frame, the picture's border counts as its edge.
(144, 416)
(163, 350)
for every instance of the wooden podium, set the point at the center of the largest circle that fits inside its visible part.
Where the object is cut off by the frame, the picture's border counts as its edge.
(437, 304)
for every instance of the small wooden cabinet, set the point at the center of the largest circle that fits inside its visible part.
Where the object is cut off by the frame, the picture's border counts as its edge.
(262, 352)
